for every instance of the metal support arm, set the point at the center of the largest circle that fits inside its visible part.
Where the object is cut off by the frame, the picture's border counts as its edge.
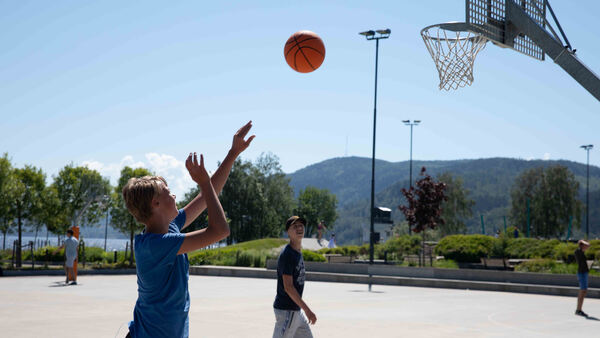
(555, 50)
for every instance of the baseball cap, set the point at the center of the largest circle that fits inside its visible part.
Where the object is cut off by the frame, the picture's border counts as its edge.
(293, 219)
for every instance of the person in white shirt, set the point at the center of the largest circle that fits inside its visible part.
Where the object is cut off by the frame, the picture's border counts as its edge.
(70, 245)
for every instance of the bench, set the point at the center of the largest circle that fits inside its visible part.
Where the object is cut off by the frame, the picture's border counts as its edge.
(337, 258)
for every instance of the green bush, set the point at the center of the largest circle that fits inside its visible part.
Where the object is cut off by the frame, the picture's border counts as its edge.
(311, 256)
(402, 245)
(465, 248)
(565, 252)
(94, 254)
(546, 266)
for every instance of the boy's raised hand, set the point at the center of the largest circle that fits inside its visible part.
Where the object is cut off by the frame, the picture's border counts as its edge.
(197, 170)
(239, 143)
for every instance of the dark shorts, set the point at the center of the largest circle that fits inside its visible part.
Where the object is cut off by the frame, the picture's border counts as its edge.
(582, 277)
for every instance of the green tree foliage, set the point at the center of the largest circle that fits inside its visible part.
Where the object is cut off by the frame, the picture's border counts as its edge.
(30, 183)
(457, 208)
(7, 197)
(121, 219)
(51, 214)
(80, 191)
(316, 205)
(553, 198)
(257, 199)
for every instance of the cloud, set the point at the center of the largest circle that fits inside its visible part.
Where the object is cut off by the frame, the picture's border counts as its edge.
(164, 165)
(546, 156)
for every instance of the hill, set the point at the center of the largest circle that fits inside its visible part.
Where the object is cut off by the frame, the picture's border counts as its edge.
(489, 181)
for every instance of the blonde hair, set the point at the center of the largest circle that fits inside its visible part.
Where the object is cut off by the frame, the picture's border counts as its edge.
(138, 194)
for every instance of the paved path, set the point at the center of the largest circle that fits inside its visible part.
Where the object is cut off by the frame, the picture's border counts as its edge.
(242, 307)
(313, 244)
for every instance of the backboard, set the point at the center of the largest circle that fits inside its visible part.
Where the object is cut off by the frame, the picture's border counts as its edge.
(489, 18)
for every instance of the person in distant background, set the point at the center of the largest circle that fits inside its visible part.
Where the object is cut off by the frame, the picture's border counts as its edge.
(71, 244)
(582, 275)
(332, 242)
(320, 228)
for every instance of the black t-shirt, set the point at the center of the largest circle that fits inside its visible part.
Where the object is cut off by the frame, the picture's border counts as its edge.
(290, 262)
(581, 261)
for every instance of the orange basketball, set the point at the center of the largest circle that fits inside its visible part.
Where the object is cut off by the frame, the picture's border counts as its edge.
(304, 51)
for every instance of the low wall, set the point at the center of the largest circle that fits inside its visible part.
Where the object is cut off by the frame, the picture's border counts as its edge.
(455, 274)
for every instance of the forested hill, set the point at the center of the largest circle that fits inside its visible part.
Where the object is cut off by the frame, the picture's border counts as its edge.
(488, 180)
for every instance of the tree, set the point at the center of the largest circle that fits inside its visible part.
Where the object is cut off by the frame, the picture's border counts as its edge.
(7, 196)
(257, 199)
(80, 191)
(30, 183)
(51, 214)
(121, 218)
(457, 207)
(552, 195)
(424, 205)
(315, 205)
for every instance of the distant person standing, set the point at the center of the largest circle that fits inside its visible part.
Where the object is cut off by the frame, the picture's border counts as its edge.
(320, 228)
(582, 275)
(516, 233)
(70, 245)
(332, 243)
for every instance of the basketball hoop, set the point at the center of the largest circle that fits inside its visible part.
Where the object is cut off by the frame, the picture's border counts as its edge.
(453, 49)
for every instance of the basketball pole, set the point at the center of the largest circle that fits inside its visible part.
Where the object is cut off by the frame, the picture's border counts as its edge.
(374, 35)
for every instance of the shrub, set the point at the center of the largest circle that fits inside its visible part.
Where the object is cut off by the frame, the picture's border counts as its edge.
(465, 248)
(565, 252)
(403, 245)
(311, 256)
(546, 266)
(94, 254)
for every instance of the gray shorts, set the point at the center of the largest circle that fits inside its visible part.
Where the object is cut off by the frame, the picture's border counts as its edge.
(69, 261)
(291, 324)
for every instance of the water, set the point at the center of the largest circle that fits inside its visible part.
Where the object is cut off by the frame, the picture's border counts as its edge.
(111, 243)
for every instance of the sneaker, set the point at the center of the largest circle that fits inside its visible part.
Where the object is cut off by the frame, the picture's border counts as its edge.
(581, 313)
(73, 283)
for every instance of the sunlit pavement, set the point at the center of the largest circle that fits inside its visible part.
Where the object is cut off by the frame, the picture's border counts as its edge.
(100, 306)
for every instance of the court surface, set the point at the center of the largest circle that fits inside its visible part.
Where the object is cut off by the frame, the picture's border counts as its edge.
(100, 306)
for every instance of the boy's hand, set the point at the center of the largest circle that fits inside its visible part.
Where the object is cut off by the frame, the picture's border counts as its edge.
(197, 171)
(312, 318)
(239, 144)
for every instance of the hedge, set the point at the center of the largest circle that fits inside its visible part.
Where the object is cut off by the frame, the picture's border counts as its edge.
(465, 248)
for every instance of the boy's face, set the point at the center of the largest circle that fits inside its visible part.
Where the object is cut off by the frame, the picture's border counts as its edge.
(296, 230)
(166, 201)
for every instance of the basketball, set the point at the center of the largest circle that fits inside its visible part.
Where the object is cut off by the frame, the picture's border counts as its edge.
(304, 51)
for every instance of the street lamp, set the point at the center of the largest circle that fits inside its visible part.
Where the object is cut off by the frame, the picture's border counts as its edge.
(107, 205)
(374, 35)
(587, 148)
(411, 124)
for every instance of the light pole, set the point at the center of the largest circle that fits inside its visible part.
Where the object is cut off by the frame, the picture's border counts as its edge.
(411, 124)
(587, 148)
(107, 204)
(374, 35)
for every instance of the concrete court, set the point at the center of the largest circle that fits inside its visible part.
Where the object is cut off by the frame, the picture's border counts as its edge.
(242, 307)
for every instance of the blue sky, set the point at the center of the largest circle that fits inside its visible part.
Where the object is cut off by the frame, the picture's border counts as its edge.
(113, 83)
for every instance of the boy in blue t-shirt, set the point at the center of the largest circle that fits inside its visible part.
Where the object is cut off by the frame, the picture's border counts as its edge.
(162, 307)
(289, 321)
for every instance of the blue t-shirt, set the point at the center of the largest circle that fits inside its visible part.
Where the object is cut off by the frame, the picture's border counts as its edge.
(163, 300)
(290, 262)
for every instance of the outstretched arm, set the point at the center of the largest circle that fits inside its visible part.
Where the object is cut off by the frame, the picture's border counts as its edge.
(217, 228)
(198, 204)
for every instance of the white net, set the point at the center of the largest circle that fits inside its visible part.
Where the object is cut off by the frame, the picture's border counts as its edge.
(454, 53)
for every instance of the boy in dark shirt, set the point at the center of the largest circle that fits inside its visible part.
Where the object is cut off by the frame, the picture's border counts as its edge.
(582, 275)
(290, 284)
